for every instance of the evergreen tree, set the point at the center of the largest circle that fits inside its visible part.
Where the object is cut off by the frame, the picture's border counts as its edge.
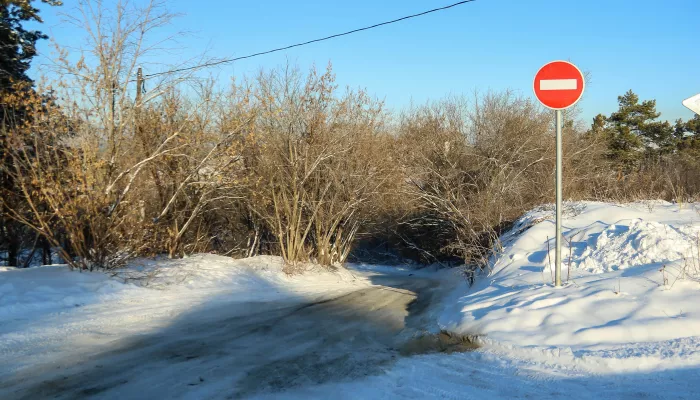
(687, 134)
(633, 132)
(599, 123)
(17, 44)
(622, 131)
(17, 49)
(692, 127)
(660, 138)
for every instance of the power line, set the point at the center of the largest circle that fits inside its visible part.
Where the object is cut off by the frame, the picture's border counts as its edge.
(211, 64)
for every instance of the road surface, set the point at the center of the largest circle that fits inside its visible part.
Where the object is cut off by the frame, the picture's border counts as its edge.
(221, 352)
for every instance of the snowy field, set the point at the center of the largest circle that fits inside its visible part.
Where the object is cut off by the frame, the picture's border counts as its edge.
(626, 324)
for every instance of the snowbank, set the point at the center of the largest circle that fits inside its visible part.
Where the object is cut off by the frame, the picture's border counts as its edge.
(632, 297)
(53, 288)
(25, 292)
(44, 309)
(631, 243)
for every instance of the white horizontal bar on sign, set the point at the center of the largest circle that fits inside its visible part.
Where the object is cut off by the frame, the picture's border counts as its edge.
(558, 84)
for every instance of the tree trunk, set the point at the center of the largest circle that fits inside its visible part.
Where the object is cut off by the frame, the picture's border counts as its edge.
(13, 244)
(46, 258)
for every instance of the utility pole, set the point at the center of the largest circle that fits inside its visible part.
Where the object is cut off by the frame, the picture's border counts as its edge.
(137, 102)
(139, 86)
(113, 107)
(113, 122)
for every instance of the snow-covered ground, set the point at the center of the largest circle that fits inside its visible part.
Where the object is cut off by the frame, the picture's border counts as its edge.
(625, 325)
(631, 301)
(45, 311)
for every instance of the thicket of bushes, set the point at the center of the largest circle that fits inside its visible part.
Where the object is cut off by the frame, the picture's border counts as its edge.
(288, 164)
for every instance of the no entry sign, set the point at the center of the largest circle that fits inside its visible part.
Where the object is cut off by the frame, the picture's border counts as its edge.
(559, 85)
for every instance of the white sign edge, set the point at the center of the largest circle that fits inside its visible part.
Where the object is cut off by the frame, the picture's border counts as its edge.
(693, 103)
(583, 78)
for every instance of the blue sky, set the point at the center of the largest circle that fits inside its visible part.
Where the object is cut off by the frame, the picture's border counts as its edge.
(648, 46)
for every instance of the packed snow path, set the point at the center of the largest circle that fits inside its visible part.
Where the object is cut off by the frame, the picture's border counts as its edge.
(229, 351)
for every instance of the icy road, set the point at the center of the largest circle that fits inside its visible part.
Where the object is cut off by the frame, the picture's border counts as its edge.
(231, 351)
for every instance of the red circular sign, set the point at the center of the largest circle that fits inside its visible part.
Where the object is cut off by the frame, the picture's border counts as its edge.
(559, 85)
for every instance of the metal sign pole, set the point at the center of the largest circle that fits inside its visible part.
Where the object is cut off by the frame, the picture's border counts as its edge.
(559, 85)
(557, 258)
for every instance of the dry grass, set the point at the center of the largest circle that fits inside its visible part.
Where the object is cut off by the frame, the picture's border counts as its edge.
(441, 342)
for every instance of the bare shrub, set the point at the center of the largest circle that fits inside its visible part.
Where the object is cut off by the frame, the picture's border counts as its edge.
(199, 174)
(79, 171)
(316, 168)
(484, 166)
(479, 166)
